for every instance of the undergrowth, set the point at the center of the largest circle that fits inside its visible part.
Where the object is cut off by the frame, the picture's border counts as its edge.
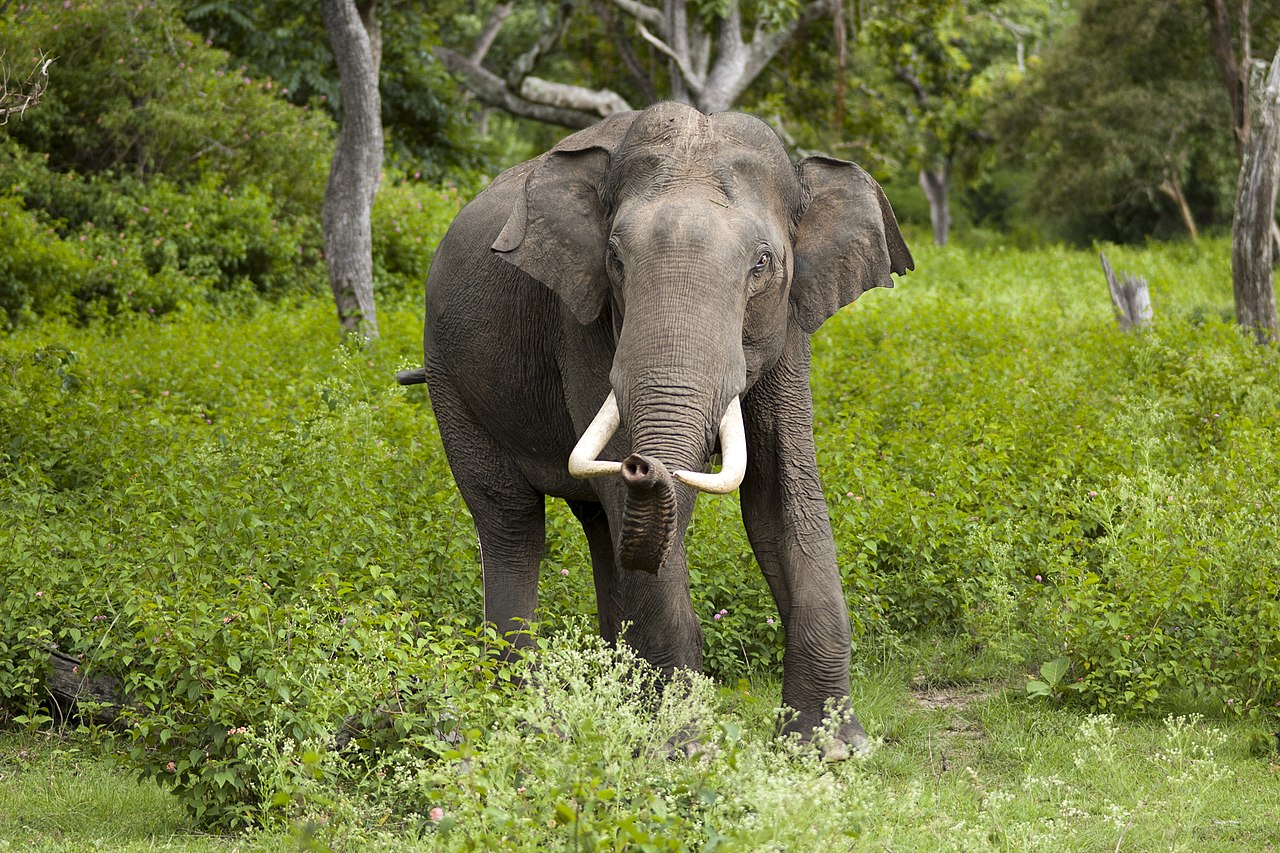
(257, 532)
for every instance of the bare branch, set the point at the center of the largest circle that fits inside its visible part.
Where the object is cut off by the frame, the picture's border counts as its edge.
(606, 102)
(738, 62)
(15, 102)
(497, 18)
(552, 32)
(766, 43)
(492, 90)
(617, 31)
(908, 77)
(642, 13)
(691, 77)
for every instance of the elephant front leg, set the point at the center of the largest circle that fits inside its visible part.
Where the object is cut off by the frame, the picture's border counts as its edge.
(786, 519)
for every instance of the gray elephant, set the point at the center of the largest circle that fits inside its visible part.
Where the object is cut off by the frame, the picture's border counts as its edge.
(644, 292)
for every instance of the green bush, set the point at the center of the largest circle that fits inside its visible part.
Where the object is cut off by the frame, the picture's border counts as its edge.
(195, 504)
(151, 177)
(135, 93)
(409, 219)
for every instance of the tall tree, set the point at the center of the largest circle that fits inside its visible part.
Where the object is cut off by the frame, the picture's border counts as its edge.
(712, 53)
(1122, 123)
(1255, 214)
(357, 163)
(1254, 234)
(940, 62)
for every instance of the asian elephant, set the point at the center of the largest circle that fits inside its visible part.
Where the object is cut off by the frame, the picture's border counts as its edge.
(604, 318)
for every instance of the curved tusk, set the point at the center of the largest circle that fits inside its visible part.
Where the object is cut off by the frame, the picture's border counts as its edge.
(582, 461)
(733, 454)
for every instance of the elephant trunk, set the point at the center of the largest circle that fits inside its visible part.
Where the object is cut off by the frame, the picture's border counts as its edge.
(649, 518)
(650, 523)
(583, 463)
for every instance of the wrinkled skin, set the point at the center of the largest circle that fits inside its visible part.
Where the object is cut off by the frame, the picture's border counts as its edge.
(678, 260)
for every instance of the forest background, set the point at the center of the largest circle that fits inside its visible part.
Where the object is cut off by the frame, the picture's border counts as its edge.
(222, 511)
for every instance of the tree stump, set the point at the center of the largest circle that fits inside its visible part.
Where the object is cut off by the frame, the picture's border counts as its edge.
(71, 693)
(1129, 295)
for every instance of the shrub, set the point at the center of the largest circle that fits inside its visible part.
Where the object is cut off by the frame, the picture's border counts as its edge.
(196, 504)
(134, 92)
(154, 177)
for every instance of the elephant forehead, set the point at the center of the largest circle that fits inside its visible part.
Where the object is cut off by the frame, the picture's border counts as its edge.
(668, 125)
(673, 149)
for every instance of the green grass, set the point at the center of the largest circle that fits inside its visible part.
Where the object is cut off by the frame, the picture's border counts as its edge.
(62, 793)
(257, 530)
(970, 768)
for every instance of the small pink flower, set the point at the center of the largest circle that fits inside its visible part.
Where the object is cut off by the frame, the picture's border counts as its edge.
(1039, 579)
(436, 813)
(718, 616)
(564, 572)
(1093, 494)
(724, 612)
(39, 595)
(769, 621)
(1231, 701)
(171, 767)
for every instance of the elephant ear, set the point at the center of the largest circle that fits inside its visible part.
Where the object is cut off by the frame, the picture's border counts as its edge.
(557, 231)
(847, 240)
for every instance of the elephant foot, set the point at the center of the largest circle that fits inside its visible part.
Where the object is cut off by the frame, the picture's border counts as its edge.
(834, 732)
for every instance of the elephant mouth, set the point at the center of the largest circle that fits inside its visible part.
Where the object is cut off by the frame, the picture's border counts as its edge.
(584, 461)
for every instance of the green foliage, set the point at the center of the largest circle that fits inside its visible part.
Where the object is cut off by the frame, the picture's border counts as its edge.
(409, 218)
(422, 108)
(1123, 113)
(133, 92)
(94, 246)
(133, 195)
(151, 177)
(259, 535)
(1003, 464)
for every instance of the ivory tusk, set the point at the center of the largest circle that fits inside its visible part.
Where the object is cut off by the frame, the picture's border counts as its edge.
(733, 452)
(583, 463)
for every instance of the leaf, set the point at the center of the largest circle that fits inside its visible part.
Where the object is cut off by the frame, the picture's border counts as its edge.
(1054, 670)
(233, 661)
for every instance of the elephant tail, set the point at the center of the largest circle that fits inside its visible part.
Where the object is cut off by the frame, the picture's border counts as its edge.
(416, 376)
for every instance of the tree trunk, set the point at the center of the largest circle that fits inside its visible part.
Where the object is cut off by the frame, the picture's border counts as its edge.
(72, 694)
(1234, 72)
(936, 184)
(1251, 230)
(1172, 187)
(1129, 295)
(357, 163)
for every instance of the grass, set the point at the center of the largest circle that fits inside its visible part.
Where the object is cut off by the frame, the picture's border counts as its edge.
(965, 767)
(62, 793)
(1004, 470)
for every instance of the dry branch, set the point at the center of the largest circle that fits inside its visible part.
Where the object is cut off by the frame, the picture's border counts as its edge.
(1129, 296)
(16, 101)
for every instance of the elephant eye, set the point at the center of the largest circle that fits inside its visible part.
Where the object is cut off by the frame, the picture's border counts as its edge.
(762, 263)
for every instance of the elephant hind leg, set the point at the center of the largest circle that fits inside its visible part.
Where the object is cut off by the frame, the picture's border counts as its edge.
(595, 523)
(509, 514)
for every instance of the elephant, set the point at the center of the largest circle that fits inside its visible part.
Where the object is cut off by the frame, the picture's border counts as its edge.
(601, 320)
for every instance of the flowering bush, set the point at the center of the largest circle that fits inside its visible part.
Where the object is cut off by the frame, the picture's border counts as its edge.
(256, 532)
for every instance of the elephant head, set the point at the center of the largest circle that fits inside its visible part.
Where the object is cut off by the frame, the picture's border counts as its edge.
(702, 246)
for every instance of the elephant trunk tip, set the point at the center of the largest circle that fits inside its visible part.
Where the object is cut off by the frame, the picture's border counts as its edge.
(643, 472)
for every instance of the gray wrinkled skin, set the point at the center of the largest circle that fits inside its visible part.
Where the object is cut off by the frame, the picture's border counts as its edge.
(680, 260)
